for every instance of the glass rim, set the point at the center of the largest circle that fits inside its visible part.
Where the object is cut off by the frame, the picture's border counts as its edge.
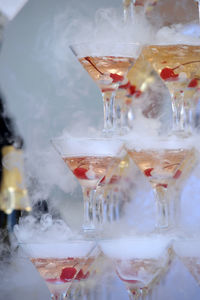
(140, 237)
(158, 143)
(54, 242)
(90, 42)
(107, 139)
(178, 43)
(117, 151)
(56, 249)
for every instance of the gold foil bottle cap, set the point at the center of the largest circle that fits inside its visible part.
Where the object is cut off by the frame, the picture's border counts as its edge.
(13, 190)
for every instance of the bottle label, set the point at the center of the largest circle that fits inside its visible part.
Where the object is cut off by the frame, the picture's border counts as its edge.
(13, 163)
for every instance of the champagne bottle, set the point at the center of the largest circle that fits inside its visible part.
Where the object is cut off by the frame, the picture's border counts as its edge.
(14, 199)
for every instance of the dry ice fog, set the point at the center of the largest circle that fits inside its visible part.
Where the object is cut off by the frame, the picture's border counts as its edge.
(50, 94)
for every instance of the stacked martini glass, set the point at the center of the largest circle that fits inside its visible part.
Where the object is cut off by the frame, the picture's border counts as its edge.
(124, 73)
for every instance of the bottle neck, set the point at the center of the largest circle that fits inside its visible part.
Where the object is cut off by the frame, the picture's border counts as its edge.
(13, 192)
(8, 221)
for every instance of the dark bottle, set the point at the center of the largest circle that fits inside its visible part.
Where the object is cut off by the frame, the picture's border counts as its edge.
(14, 200)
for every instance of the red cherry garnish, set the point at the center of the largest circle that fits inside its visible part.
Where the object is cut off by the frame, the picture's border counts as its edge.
(132, 89)
(80, 173)
(116, 77)
(177, 174)
(147, 172)
(165, 185)
(107, 90)
(138, 3)
(68, 274)
(103, 179)
(114, 179)
(168, 74)
(125, 86)
(193, 83)
(127, 280)
(81, 275)
(52, 280)
(138, 94)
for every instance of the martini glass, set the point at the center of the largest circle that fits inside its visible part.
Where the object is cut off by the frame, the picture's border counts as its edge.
(107, 63)
(188, 251)
(89, 159)
(139, 261)
(58, 263)
(164, 163)
(178, 66)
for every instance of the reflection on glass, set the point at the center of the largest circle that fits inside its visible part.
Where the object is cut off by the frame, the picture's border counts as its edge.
(178, 66)
(89, 160)
(58, 263)
(107, 63)
(139, 261)
(188, 250)
(163, 167)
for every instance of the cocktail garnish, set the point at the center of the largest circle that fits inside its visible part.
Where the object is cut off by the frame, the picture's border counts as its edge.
(147, 172)
(90, 61)
(52, 280)
(113, 179)
(193, 83)
(81, 275)
(107, 90)
(80, 173)
(132, 89)
(68, 274)
(168, 74)
(127, 280)
(125, 86)
(138, 94)
(116, 77)
(165, 185)
(177, 174)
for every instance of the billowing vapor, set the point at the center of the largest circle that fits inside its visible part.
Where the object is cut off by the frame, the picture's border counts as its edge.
(47, 230)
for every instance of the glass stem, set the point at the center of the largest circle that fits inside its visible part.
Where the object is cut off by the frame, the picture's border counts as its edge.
(162, 206)
(89, 196)
(109, 207)
(122, 114)
(198, 3)
(183, 113)
(175, 208)
(139, 294)
(128, 10)
(189, 118)
(58, 297)
(199, 10)
(108, 110)
(178, 112)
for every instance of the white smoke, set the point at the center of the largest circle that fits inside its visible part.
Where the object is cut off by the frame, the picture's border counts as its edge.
(188, 34)
(47, 230)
